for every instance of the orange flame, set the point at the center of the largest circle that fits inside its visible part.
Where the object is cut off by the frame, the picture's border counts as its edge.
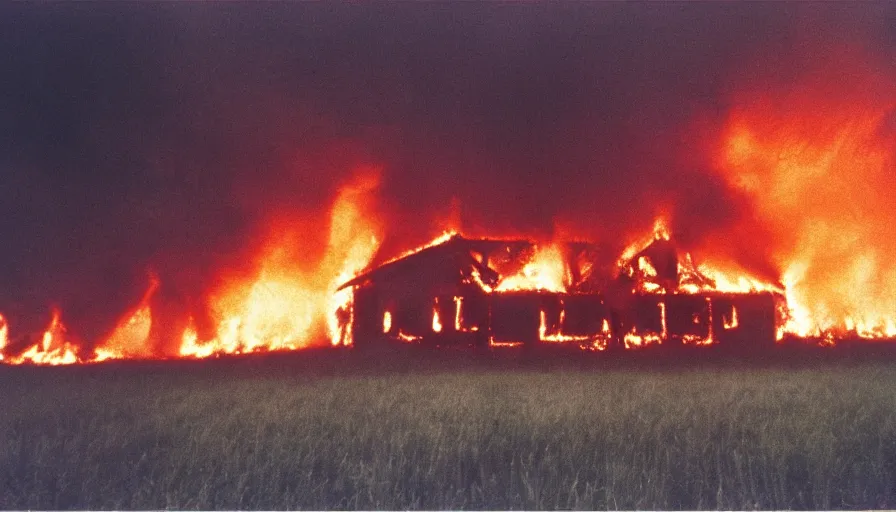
(660, 232)
(408, 338)
(633, 339)
(130, 339)
(545, 271)
(730, 322)
(820, 171)
(387, 322)
(589, 342)
(504, 344)
(286, 308)
(693, 278)
(436, 321)
(52, 349)
(4, 336)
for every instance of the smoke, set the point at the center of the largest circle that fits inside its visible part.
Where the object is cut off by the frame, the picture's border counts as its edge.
(170, 139)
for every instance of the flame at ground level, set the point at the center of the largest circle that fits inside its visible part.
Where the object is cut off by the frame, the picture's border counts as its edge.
(278, 310)
(822, 194)
(819, 169)
(4, 336)
(282, 310)
(283, 305)
(53, 348)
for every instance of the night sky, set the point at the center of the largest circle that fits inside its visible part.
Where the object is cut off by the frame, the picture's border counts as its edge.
(140, 137)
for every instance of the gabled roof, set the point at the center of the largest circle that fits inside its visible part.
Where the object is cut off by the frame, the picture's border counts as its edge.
(456, 250)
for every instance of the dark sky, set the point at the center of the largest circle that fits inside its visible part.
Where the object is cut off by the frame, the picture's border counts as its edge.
(139, 137)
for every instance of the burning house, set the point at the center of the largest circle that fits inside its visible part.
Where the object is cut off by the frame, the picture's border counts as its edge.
(487, 292)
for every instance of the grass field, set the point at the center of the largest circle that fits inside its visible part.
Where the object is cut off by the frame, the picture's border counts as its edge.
(448, 430)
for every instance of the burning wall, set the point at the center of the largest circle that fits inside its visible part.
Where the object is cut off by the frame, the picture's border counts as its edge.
(548, 294)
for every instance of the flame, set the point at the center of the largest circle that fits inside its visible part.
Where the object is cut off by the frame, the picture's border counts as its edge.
(284, 307)
(710, 336)
(354, 239)
(4, 336)
(736, 281)
(52, 349)
(665, 330)
(189, 344)
(546, 270)
(730, 321)
(387, 322)
(693, 278)
(130, 339)
(633, 339)
(661, 231)
(646, 268)
(436, 321)
(445, 236)
(504, 344)
(819, 168)
(586, 342)
(408, 338)
(819, 171)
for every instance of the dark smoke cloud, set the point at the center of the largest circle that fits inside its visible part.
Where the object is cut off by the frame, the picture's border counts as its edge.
(162, 138)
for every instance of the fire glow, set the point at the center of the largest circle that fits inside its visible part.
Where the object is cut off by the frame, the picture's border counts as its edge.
(820, 182)
(545, 271)
(273, 313)
(820, 171)
(280, 308)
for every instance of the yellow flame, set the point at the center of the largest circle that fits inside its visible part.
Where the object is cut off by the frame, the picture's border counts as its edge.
(52, 349)
(634, 340)
(504, 344)
(545, 271)
(436, 321)
(665, 330)
(287, 308)
(191, 348)
(730, 322)
(387, 322)
(4, 335)
(819, 170)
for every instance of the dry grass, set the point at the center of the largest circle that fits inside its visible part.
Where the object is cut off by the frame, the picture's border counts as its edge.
(313, 433)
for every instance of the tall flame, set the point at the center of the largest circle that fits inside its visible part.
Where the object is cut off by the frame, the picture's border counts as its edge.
(285, 307)
(4, 336)
(436, 319)
(130, 339)
(821, 174)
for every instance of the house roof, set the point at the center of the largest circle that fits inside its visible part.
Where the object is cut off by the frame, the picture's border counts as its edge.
(457, 251)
